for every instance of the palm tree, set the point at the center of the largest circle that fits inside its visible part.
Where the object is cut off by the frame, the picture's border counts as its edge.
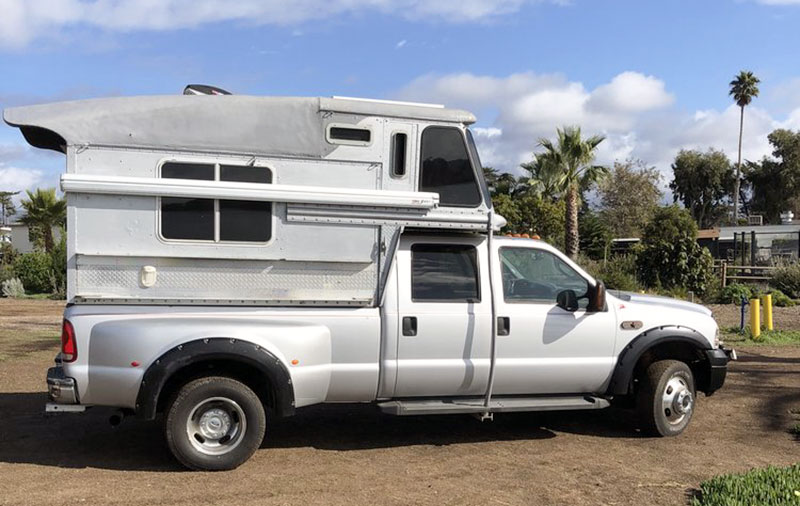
(744, 88)
(43, 211)
(544, 178)
(571, 157)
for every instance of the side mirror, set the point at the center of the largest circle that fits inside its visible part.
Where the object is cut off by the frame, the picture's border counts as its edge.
(567, 300)
(597, 298)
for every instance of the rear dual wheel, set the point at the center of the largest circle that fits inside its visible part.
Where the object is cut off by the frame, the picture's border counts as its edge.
(214, 424)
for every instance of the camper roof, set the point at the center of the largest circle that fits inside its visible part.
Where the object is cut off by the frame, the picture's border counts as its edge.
(234, 123)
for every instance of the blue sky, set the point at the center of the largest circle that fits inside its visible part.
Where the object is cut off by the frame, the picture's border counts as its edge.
(652, 76)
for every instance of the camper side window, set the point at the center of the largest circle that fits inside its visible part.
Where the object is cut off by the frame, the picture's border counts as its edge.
(220, 220)
(446, 169)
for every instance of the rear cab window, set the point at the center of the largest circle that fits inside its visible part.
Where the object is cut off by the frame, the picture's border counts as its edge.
(444, 273)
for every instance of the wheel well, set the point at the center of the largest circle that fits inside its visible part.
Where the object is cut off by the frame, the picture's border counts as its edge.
(240, 371)
(682, 351)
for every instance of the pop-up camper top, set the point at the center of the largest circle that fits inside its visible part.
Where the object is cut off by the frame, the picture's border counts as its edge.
(232, 199)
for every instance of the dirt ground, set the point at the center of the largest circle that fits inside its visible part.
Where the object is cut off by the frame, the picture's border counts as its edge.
(784, 318)
(355, 455)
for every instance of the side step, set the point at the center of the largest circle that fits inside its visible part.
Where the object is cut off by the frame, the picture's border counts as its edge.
(497, 405)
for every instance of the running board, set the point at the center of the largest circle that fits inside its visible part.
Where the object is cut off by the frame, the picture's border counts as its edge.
(497, 405)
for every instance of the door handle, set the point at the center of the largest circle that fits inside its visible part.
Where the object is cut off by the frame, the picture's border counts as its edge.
(409, 325)
(503, 325)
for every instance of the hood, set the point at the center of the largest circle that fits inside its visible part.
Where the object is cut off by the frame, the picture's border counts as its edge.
(658, 300)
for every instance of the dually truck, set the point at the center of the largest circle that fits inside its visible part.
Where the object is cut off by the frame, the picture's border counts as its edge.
(233, 259)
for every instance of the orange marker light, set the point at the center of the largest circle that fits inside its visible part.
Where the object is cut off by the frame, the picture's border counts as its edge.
(295, 362)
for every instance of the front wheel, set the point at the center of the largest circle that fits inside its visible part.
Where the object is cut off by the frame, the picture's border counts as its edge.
(666, 398)
(214, 424)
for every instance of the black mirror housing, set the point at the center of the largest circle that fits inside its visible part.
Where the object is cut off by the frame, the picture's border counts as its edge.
(567, 300)
(597, 298)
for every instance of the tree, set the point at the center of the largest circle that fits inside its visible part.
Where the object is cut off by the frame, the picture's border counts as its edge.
(775, 183)
(703, 182)
(629, 196)
(542, 178)
(7, 207)
(43, 212)
(743, 89)
(595, 235)
(571, 157)
(531, 214)
(500, 182)
(669, 256)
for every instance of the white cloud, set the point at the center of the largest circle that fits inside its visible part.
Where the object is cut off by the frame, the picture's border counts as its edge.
(24, 20)
(19, 179)
(634, 111)
(401, 44)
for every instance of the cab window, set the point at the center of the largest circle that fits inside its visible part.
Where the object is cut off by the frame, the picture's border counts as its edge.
(533, 275)
(444, 273)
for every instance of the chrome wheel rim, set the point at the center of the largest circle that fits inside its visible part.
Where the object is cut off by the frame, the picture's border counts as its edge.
(677, 400)
(216, 425)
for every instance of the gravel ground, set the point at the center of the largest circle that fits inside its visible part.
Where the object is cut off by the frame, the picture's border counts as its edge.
(355, 455)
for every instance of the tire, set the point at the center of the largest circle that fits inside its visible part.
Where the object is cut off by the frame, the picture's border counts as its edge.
(666, 398)
(214, 424)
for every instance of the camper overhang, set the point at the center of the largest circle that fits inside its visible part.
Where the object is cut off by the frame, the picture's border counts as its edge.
(225, 124)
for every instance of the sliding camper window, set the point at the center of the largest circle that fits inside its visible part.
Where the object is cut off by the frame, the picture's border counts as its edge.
(446, 169)
(217, 220)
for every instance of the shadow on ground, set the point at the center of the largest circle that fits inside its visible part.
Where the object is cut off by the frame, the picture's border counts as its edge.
(88, 440)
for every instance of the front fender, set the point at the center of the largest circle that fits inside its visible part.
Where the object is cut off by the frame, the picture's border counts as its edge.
(622, 376)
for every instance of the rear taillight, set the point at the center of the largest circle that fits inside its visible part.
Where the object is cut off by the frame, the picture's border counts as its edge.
(69, 349)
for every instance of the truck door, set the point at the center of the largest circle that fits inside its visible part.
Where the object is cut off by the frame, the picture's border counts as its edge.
(444, 334)
(541, 348)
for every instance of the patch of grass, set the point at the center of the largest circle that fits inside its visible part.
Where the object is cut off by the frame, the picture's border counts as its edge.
(771, 486)
(771, 337)
(796, 429)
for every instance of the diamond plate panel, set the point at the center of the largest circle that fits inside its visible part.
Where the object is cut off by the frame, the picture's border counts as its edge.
(230, 279)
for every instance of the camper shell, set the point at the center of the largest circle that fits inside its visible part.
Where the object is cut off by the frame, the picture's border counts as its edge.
(252, 200)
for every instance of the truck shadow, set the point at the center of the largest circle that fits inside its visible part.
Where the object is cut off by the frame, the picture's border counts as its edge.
(87, 440)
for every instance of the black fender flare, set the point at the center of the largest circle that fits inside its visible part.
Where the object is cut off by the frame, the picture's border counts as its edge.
(629, 356)
(210, 349)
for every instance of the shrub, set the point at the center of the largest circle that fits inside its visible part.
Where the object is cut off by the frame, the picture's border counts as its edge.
(669, 257)
(734, 293)
(786, 278)
(6, 272)
(58, 263)
(34, 270)
(13, 288)
(617, 273)
(780, 299)
(771, 486)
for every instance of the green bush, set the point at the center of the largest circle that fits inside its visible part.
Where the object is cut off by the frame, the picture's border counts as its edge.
(786, 278)
(617, 273)
(733, 293)
(780, 299)
(34, 270)
(7, 272)
(669, 257)
(772, 486)
(58, 263)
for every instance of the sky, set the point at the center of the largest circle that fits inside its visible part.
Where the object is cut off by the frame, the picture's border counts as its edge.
(650, 76)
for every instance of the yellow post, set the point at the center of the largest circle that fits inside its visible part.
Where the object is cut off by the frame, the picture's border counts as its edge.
(767, 301)
(755, 318)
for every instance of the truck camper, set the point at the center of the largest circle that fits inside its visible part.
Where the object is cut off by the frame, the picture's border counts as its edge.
(233, 259)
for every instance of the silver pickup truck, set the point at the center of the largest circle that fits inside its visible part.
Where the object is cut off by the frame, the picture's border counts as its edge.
(559, 342)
